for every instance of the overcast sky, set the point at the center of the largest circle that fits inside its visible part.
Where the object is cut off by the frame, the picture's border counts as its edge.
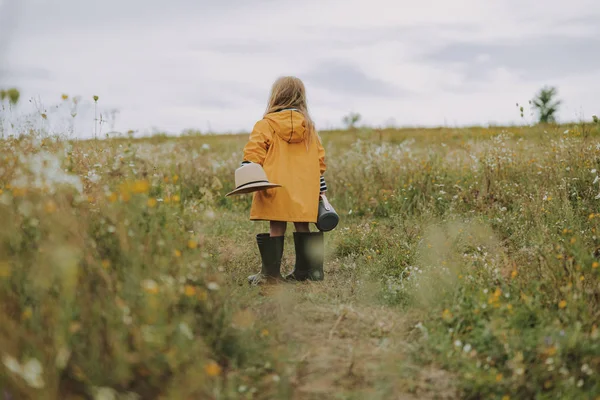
(178, 64)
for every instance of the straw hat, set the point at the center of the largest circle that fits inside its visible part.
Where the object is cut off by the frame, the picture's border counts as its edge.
(250, 178)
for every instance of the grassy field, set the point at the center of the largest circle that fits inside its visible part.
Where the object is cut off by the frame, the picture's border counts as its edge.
(466, 265)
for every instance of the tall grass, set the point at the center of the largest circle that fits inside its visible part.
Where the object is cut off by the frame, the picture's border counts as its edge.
(118, 271)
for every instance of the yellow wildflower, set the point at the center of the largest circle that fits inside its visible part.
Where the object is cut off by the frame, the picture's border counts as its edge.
(212, 369)
(446, 314)
(19, 192)
(152, 202)
(506, 397)
(595, 264)
(50, 207)
(499, 378)
(150, 286)
(202, 295)
(113, 197)
(562, 304)
(175, 178)
(27, 313)
(125, 197)
(177, 253)
(139, 187)
(189, 290)
(192, 244)
(264, 333)
(573, 240)
(176, 198)
(513, 274)
(105, 264)
(591, 216)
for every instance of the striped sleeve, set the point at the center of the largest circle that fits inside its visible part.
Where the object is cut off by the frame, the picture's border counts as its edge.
(323, 184)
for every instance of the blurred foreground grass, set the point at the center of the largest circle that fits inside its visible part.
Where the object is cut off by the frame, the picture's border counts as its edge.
(122, 269)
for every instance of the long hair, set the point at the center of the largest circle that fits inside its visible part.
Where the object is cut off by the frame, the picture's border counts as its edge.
(289, 92)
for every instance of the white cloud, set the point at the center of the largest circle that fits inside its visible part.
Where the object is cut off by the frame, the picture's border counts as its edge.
(190, 64)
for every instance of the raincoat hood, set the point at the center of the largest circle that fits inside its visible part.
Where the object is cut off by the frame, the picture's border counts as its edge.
(289, 125)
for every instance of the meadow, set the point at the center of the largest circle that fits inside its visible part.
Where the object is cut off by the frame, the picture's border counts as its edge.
(466, 265)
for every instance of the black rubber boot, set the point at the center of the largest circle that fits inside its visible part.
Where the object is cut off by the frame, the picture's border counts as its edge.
(309, 257)
(271, 251)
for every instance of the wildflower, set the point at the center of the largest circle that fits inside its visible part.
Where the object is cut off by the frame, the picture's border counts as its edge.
(27, 313)
(562, 304)
(573, 240)
(177, 253)
(185, 330)
(139, 187)
(113, 197)
(176, 198)
(32, 373)
(202, 294)
(105, 264)
(189, 290)
(446, 314)
(12, 364)
(192, 244)
(125, 197)
(175, 178)
(212, 369)
(150, 286)
(152, 202)
(62, 357)
(595, 264)
(591, 216)
(104, 393)
(212, 286)
(513, 274)
(499, 378)
(264, 333)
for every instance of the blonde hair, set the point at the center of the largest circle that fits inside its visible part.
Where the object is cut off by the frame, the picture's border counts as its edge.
(289, 92)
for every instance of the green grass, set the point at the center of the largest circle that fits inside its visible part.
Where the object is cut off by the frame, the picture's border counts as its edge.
(465, 266)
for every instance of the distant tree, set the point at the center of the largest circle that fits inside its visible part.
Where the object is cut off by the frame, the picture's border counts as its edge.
(351, 120)
(546, 104)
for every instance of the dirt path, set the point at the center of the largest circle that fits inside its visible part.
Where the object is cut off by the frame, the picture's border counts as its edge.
(341, 349)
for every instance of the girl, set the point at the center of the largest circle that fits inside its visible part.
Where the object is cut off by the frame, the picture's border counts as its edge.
(288, 147)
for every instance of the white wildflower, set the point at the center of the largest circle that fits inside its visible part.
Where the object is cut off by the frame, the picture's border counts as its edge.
(11, 364)
(458, 343)
(467, 348)
(104, 393)
(213, 286)
(62, 357)
(32, 373)
(185, 330)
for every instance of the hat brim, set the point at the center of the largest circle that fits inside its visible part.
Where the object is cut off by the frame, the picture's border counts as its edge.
(255, 187)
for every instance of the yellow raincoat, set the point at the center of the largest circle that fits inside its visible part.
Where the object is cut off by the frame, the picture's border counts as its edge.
(278, 142)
